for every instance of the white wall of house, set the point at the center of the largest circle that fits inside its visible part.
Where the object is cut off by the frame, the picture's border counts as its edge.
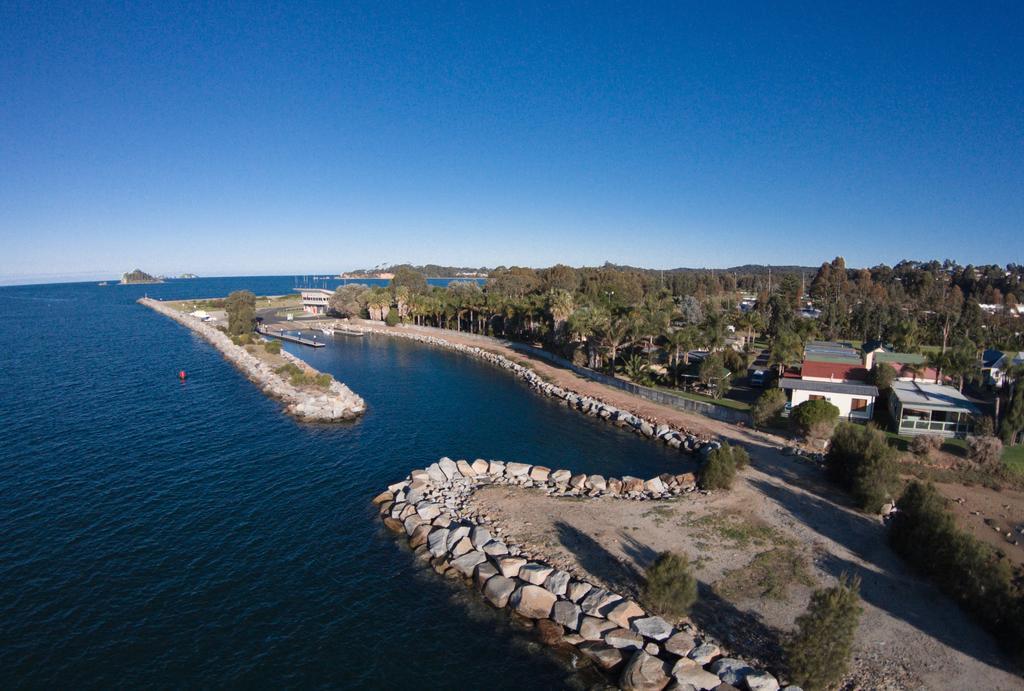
(843, 401)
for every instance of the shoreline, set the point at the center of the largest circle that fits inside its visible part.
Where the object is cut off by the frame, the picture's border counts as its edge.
(675, 436)
(619, 638)
(337, 404)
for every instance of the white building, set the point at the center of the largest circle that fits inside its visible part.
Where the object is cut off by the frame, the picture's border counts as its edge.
(314, 300)
(936, 409)
(856, 402)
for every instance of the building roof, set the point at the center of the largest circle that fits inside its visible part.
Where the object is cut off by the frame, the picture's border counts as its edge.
(828, 387)
(902, 358)
(839, 371)
(831, 349)
(990, 357)
(932, 397)
(323, 291)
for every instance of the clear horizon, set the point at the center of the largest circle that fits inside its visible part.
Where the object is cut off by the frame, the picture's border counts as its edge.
(232, 141)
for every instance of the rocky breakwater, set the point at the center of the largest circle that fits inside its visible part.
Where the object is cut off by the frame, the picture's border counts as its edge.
(335, 403)
(640, 650)
(683, 440)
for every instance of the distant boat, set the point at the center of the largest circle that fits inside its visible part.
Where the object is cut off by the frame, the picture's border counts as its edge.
(327, 332)
(348, 332)
(103, 283)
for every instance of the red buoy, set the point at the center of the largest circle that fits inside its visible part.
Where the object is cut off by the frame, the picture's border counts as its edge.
(181, 375)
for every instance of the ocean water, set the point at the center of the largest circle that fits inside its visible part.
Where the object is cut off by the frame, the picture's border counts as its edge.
(158, 533)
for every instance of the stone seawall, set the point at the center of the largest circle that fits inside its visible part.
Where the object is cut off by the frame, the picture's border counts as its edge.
(642, 651)
(683, 440)
(335, 404)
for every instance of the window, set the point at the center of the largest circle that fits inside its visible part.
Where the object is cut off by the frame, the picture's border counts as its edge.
(816, 397)
(859, 404)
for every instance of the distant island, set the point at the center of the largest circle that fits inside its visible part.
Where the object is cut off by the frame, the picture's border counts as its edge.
(138, 276)
(189, 276)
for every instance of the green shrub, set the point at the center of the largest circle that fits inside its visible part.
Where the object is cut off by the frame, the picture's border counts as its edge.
(272, 347)
(925, 444)
(924, 533)
(670, 589)
(241, 310)
(815, 418)
(740, 457)
(986, 452)
(719, 470)
(323, 380)
(818, 653)
(392, 318)
(861, 461)
(767, 406)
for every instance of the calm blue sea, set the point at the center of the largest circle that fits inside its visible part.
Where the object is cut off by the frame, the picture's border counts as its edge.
(165, 534)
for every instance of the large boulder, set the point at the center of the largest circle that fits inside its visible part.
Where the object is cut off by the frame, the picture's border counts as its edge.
(496, 548)
(436, 475)
(539, 473)
(465, 468)
(498, 590)
(560, 477)
(623, 639)
(578, 590)
(655, 486)
(624, 612)
(704, 653)
(535, 573)
(652, 627)
(644, 672)
(604, 656)
(517, 469)
(448, 467)
(599, 601)
(484, 572)
(597, 483)
(632, 484)
(510, 566)
(533, 602)
(730, 670)
(594, 628)
(697, 678)
(558, 582)
(467, 563)
(437, 542)
(680, 644)
(567, 614)
(480, 466)
(761, 681)
(479, 536)
(428, 510)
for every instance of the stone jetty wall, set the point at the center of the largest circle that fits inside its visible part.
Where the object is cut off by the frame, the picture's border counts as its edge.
(640, 650)
(683, 440)
(334, 404)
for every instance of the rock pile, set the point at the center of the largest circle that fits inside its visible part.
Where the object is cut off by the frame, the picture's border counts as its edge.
(645, 651)
(588, 405)
(336, 403)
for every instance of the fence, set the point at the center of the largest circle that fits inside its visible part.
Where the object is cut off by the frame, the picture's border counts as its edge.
(710, 410)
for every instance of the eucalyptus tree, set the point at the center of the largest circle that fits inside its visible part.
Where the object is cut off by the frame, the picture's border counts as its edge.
(346, 301)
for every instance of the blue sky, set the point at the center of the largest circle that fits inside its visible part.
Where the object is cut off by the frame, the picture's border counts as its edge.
(249, 139)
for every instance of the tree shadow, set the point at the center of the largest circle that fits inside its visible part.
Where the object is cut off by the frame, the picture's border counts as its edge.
(597, 560)
(743, 632)
(887, 583)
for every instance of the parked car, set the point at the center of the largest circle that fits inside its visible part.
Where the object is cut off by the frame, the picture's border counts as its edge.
(760, 378)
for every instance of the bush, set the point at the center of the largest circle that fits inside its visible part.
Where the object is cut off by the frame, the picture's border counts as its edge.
(986, 452)
(818, 653)
(815, 418)
(392, 318)
(719, 470)
(740, 457)
(241, 310)
(861, 461)
(924, 533)
(272, 347)
(323, 380)
(669, 587)
(768, 406)
(925, 444)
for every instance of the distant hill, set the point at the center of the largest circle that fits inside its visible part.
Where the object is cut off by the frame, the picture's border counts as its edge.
(138, 276)
(437, 271)
(428, 270)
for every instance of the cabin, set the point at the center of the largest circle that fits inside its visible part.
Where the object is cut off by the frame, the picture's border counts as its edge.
(922, 408)
(314, 300)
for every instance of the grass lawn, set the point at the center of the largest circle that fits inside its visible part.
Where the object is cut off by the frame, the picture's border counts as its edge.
(1013, 457)
(724, 402)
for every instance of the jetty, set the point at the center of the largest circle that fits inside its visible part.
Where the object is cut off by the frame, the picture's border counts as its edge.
(281, 335)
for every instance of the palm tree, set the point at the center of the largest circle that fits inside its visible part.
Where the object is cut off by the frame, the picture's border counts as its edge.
(616, 335)
(561, 305)
(786, 349)
(714, 331)
(585, 325)
(679, 340)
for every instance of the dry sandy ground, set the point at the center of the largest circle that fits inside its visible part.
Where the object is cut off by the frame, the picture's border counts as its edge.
(995, 517)
(910, 635)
